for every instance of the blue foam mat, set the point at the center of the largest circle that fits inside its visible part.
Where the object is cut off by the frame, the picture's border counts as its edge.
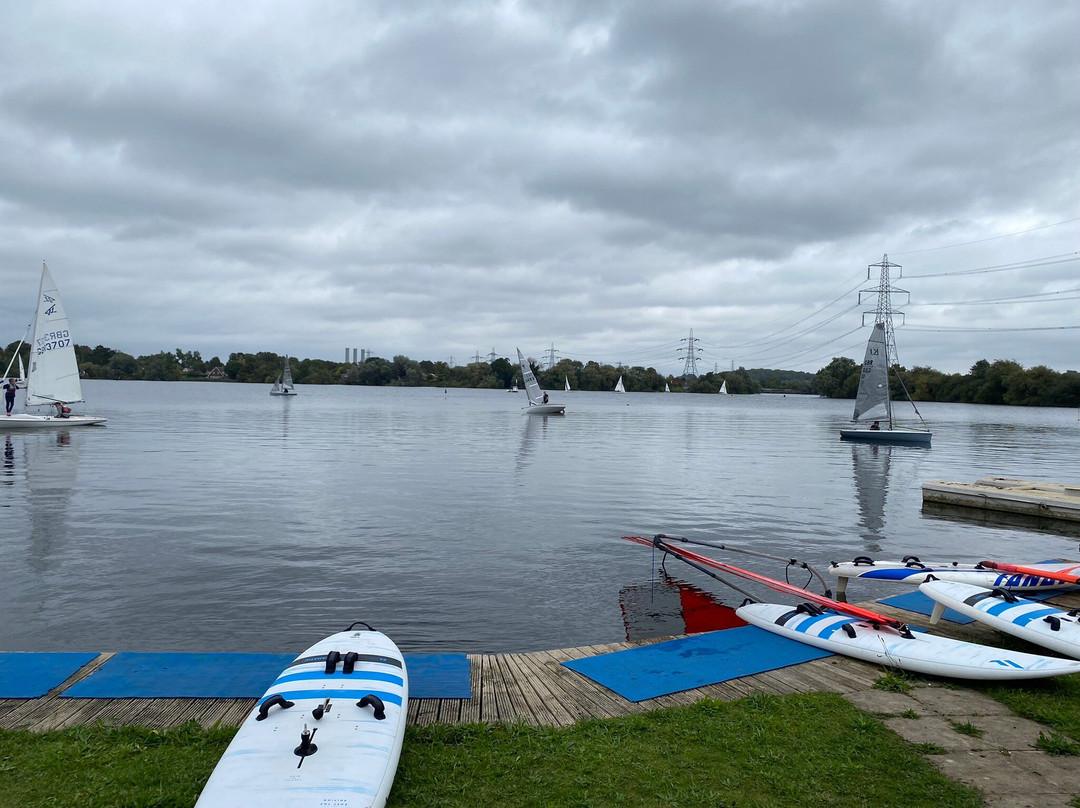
(655, 670)
(183, 675)
(30, 676)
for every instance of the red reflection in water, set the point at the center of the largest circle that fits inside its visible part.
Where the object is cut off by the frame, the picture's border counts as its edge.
(669, 606)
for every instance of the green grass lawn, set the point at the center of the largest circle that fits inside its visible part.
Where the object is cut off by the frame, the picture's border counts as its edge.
(801, 750)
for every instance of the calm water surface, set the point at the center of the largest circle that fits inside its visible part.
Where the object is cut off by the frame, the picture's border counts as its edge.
(214, 517)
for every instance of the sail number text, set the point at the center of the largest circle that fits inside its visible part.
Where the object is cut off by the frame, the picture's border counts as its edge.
(52, 341)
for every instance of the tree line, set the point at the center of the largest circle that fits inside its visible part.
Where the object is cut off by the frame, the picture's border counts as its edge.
(998, 382)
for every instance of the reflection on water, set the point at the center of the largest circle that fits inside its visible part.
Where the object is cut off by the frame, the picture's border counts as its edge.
(52, 467)
(668, 606)
(870, 463)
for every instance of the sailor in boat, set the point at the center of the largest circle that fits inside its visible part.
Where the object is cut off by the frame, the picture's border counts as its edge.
(62, 411)
(876, 425)
(545, 398)
(9, 394)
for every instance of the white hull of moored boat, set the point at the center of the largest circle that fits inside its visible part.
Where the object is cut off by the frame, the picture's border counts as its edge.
(545, 409)
(887, 435)
(24, 421)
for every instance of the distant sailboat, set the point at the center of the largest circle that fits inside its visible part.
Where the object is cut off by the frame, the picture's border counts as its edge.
(284, 384)
(723, 389)
(538, 400)
(667, 388)
(566, 384)
(53, 379)
(619, 386)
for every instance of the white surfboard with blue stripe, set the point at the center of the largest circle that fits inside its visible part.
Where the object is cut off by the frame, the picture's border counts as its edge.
(917, 652)
(1030, 620)
(914, 572)
(328, 731)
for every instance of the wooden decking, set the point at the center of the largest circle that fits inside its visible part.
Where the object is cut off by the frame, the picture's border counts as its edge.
(530, 688)
(1005, 495)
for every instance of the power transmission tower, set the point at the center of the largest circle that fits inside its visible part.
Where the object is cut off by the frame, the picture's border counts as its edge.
(884, 311)
(491, 357)
(551, 356)
(690, 368)
(476, 358)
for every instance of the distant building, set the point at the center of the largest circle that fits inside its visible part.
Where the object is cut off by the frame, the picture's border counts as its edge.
(216, 373)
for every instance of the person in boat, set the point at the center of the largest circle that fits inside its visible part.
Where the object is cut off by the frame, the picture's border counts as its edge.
(9, 394)
(876, 425)
(62, 411)
(545, 398)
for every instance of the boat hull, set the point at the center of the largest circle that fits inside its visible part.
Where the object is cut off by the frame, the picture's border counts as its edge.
(1023, 618)
(280, 393)
(919, 653)
(914, 436)
(25, 421)
(355, 753)
(546, 409)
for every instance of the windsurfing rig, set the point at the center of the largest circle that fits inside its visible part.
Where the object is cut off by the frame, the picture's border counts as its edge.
(1053, 575)
(700, 562)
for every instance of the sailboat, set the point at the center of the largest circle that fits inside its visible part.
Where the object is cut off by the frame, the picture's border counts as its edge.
(53, 378)
(566, 384)
(619, 386)
(873, 401)
(538, 403)
(284, 384)
(723, 389)
(667, 387)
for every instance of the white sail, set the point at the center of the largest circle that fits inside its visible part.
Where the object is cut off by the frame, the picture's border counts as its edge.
(619, 386)
(723, 388)
(54, 372)
(287, 375)
(532, 389)
(566, 383)
(872, 402)
(667, 387)
(22, 372)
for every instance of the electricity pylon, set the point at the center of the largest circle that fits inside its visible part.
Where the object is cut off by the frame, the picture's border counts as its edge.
(690, 368)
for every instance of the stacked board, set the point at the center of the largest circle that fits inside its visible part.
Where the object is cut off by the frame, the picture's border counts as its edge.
(328, 731)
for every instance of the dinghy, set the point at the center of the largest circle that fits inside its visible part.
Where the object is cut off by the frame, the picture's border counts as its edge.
(53, 377)
(284, 384)
(538, 403)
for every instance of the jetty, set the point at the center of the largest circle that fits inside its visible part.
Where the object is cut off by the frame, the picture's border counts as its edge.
(1006, 495)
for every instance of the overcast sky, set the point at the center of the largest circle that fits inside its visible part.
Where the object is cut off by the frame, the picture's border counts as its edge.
(450, 178)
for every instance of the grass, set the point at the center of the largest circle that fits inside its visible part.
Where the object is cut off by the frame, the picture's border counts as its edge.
(967, 728)
(1055, 744)
(893, 682)
(759, 752)
(1053, 702)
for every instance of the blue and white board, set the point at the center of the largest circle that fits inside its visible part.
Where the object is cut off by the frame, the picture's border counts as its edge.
(914, 572)
(1030, 620)
(884, 645)
(328, 731)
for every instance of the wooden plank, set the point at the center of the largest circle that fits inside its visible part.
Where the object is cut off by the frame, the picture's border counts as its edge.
(470, 709)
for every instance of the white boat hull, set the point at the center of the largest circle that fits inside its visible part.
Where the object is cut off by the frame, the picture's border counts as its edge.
(357, 754)
(282, 393)
(1023, 618)
(918, 436)
(915, 573)
(25, 421)
(545, 409)
(921, 653)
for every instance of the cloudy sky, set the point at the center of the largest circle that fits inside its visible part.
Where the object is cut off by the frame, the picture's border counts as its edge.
(453, 178)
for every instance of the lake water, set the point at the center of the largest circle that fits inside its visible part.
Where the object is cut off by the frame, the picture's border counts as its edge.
(214, 517)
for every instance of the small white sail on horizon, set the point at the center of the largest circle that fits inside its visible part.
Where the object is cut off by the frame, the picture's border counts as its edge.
(566, 384)
(723, 388)
(667, 388)
(619, 386)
